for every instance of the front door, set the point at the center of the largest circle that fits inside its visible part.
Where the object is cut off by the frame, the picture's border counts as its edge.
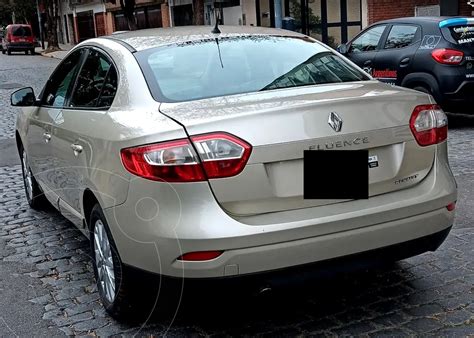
(41, 138)
(363, 49)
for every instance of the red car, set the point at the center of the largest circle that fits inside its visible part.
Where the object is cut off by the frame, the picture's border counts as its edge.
(18, 37)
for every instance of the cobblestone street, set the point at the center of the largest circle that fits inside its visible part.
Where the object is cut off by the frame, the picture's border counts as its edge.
(47, 285)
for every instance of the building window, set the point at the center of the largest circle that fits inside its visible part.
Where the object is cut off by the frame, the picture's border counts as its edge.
(331, 21)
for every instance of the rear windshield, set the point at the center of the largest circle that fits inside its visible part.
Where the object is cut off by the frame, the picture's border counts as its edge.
(21, 31)
(463, 34)
(235, 65)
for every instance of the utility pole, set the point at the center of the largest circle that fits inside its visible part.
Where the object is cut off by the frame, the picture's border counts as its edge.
(40, 24)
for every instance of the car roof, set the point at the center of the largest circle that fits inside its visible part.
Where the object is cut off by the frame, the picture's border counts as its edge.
(156, 37)
(418, 19)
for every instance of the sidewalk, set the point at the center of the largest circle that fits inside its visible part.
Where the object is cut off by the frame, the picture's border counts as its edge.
(57, 55)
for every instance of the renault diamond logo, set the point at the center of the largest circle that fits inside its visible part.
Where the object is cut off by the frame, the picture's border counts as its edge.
(335, 122)
(471, 3)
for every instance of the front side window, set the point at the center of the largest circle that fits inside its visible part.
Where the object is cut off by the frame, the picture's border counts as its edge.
(401, 36)
(91, 79)
(61, 82)
(235, 65)
(368, 41)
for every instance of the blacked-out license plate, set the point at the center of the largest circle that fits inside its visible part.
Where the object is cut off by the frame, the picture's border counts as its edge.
(336, 174)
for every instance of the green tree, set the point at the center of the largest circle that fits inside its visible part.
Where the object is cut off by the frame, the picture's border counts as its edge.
(314, 20)
(24, 10)
(5, 13)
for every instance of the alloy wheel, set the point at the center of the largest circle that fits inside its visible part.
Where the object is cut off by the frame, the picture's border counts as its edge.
(104, 261)
(27, 176)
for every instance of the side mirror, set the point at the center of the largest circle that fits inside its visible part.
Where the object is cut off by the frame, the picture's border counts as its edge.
(24, 97)
(343, 49)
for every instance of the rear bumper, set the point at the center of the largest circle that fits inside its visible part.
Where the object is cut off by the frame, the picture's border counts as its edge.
(320, 270)
(20, 46)
(176, 221)
(461, 100)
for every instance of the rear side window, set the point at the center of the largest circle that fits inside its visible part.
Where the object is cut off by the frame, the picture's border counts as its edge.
(401, 36)
(463, 34)
(21, 31)
(235, 65)
(97, 78)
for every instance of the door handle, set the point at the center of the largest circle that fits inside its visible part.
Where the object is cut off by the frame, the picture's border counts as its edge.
(368, 62)
(46, 137)
(405, 62)
(77, 148)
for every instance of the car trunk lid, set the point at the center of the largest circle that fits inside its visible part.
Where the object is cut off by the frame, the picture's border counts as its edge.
(281, 124)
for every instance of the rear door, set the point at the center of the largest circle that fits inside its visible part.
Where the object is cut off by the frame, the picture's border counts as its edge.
(363, 49)
(395, 58)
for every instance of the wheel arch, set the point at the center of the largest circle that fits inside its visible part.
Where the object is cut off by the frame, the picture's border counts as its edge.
(425, 80)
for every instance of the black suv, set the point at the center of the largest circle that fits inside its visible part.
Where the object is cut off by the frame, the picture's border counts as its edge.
(431, 54)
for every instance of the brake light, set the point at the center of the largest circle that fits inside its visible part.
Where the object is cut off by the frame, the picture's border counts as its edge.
(218, 155)
(448, 56)
(429, 124)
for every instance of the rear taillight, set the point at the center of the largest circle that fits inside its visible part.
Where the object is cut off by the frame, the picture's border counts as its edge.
(429, 124)
(222, 155)
(218, 155)
(448, 56)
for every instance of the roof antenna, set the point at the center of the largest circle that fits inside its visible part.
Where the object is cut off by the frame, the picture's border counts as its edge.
(216, 29)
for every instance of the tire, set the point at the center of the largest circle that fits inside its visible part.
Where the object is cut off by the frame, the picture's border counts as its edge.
(32, 51)
(3, 51)
(136, 292)
(113, 292)
(34, 195)
(9, 52)
(26, 52)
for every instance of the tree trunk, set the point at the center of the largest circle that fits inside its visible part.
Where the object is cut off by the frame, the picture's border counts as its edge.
(52, 8)
(198, 12)
(128, 8)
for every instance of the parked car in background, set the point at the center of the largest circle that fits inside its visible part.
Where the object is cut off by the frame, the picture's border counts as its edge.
(434, 55)
(2, 33)
(18, 38)
(188, 154)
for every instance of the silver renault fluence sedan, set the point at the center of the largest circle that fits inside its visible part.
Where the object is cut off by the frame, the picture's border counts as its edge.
(189, 154)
